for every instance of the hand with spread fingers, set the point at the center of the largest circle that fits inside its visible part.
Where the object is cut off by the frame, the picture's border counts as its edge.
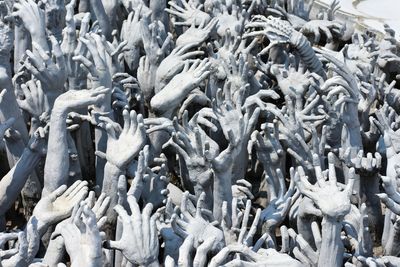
(139, 241)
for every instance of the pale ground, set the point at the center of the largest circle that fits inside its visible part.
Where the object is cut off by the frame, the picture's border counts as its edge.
(373, 13)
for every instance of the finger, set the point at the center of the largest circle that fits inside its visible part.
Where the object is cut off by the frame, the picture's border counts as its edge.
(332, 172)
(81, 185)
(114, 245)
(122, 213)
(185, 250)
(57, 53)
(200, 258)
(58, 192)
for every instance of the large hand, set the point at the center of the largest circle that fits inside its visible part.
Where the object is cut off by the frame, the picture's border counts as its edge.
(195, 224)
(32, 18)
(102, 70)
(168, 98)
(15, 257)
(322, 192)
(190, 144)
(122, 148)
(130, 32)
(279, 202)
(189, 13)
(51, 73)
(82, 237)
(139, 240)
(173, 64)
(71, 46)
(235, 224)
(76, 99)
(195, 34)
(314, 27)
(291, 81)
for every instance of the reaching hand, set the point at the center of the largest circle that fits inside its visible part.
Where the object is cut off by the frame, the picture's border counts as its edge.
(124, 146)
(322, 192)
(82, 237)
(58, 205)
(76, 99)
(139, 241)
(195, 224)
(195, 34)
(36, 102)
(189, 13)
(51, 73)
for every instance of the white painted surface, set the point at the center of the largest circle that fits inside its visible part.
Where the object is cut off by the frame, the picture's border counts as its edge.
(373, 13)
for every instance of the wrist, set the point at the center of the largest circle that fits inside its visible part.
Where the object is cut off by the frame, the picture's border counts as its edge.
(154, 263)
(92, 262)
(114, 167)
(38, 36)
(59, 110)
(353, 126)
(41, 226)
(111, 174)
(97, 113)
(104, 107)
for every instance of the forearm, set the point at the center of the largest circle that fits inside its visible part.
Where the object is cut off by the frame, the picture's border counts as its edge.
(332, 249)
(100, 139)
(304, 228)
(354, 138)
(98, 9)
(57, 161)
(89, 262)
(369, 190)
(392, 247)
(387, 227)
(55, 251)
(13, 182)
(83, 6)
(110, 188)
(40, 38)
(118, 257)
(222, 192)
(74, 171)
(152, 264)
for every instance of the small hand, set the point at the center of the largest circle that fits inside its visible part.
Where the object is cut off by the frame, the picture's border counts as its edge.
(58, 205)
(76, 99)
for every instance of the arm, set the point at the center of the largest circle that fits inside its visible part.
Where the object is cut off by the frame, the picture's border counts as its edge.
(122, 148)
(33, 19)
(55, 251)
(321, 193)
(331, 252)
(13, 182)
(393, 244)
(97, 8)
(57, 162)
(110, 187)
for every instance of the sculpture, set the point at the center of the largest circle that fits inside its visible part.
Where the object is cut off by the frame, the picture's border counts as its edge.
(196, 133)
